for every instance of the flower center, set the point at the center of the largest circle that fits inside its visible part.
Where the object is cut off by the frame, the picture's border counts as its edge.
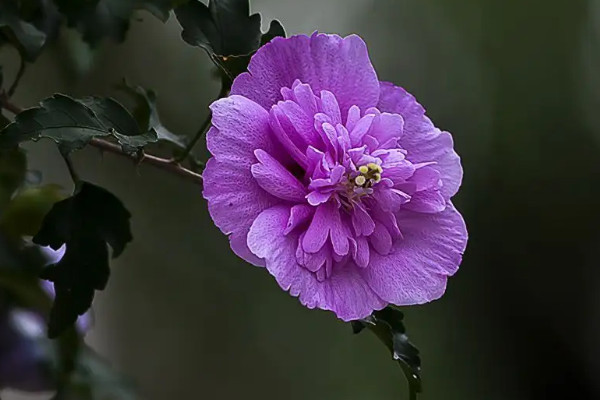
(359, 185)
(368, 175)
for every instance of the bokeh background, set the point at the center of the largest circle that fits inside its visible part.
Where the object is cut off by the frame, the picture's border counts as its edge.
(518, 85)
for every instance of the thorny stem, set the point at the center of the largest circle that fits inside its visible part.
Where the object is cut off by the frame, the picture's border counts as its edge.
(158, 162)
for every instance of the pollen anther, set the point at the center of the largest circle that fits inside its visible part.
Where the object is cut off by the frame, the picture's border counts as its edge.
(360, 180)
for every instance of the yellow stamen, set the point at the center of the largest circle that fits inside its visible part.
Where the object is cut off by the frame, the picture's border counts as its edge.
(363, 169)
(377, 177)
(360, 180)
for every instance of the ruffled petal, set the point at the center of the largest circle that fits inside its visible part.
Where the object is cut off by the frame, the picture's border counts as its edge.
(417, 269)
(240, 126)
(325, 62)
(345, 292)
(234, 202)
(275, 179)
(423, 141)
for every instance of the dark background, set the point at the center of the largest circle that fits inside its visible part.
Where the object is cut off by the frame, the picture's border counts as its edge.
(518, 85)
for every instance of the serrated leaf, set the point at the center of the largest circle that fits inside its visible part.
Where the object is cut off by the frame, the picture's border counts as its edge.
(226, 30)
(87, 223)
(25, 36)
(388, 325)
(60, 118)
(224, 27)
(146, 114)
(71, 124)
(24, 214)
(275, 30)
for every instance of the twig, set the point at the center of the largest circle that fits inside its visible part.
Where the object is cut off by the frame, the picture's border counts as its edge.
(7, 105)
(72, 171)
(190, 146)
(15, 83)
(162, 163)
(168, 165)
(203, 129)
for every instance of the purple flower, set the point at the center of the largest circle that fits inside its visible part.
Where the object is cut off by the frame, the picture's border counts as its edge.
(336, 182)
(25, 363)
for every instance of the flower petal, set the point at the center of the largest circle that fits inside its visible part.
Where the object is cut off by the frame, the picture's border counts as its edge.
(234, 202)
(275, 179)
(240, 126)
(345, 292)
(417, 270)
(421, 138)
(427, 201)
(325, 62)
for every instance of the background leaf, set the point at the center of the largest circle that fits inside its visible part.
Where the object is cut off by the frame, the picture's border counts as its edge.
(13, 169)
(87, 222)
(71, 124)
(24, 214)
(25, 36)
(146, 114)
(94, 379)
(226, 31)
(100, 19)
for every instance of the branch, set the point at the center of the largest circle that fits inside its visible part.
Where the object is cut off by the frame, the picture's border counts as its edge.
(168, 165)
(15, 83)
(161, 163)
(205, 125)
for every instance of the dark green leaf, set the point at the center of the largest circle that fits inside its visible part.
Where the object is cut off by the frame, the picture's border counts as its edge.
(146, 114)
(388, 325)
(73, 123)
(226, 30)
(112, 115)
(25, 36)
(13, 168)
(60, 118)
(87, 222)
(275, 30)
(224, 27)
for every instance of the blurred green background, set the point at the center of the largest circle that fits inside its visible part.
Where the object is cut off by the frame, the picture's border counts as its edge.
(515, 82)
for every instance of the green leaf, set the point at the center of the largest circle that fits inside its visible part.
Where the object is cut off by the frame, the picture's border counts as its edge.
(94, 379)
(25, 36)
(226, 31)
(100, 19)
(388, 325)
(146, 114)
(13, 169)
(71, 124)
(275, 30)
(87, 222)
(24, 214)
(224, 27)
